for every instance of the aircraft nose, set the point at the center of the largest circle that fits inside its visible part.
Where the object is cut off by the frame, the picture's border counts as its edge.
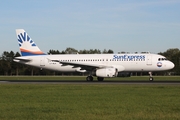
(171, 65)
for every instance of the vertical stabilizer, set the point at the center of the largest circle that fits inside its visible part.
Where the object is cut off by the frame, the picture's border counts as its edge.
(26, 44)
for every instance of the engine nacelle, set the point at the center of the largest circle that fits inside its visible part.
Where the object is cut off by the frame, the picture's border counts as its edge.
(106, 72)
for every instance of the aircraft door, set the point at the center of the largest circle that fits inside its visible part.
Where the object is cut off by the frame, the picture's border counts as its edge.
(42, 61)
(149, 60)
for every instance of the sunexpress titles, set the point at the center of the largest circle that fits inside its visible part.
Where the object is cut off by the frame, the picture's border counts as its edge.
(129, 57)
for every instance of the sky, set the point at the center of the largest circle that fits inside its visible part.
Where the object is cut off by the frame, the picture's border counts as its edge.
(119, 25)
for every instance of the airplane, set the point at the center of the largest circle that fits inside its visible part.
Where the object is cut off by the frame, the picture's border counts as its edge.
(99, 65)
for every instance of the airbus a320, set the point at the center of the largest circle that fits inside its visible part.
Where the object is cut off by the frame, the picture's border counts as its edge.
(99, 65)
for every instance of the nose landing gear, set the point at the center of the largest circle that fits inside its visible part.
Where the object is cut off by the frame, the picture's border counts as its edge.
(150, 77)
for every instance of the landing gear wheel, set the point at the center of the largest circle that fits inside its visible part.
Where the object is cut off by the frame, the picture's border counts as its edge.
(89, 78)
(100, 78)
(151, 78)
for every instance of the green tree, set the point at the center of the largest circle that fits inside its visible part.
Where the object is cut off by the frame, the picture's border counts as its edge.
(6, 62)
(107, 51)
(54, 52)
(70, 50)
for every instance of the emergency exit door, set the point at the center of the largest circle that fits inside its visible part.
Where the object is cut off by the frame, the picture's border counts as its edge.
(149, 60)
(42, 61)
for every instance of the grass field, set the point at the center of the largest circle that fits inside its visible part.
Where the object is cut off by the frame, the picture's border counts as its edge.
(83, 78)
(89, 102)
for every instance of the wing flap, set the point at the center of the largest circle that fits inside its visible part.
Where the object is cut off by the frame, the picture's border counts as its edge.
(84, 66)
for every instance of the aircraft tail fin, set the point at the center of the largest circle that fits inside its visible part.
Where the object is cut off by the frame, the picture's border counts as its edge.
(26, 44)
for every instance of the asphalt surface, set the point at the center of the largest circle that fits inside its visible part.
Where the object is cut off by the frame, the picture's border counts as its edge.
(85, 82)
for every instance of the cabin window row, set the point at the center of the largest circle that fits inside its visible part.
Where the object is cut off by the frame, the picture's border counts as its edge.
(99, 60)
(127, 59)
(82, 60)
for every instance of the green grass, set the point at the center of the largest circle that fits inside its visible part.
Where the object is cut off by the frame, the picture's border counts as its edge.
(89, 102)
(83, 78)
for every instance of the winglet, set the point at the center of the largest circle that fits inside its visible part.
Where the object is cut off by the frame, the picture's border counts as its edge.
(26, 44)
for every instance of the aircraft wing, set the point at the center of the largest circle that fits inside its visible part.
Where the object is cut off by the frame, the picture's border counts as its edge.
(83, 66)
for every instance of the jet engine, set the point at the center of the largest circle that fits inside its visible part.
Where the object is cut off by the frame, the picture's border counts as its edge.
(106, 72)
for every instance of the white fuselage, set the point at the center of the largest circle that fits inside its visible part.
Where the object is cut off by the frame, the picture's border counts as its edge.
(123, 62)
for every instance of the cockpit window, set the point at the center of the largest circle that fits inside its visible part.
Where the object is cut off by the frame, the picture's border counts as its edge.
(162, 59)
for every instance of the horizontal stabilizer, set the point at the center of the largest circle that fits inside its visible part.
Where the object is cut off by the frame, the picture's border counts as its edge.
(22, 59)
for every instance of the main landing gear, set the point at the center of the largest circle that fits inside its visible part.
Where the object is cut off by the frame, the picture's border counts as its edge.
(150, 76)
(90, 78)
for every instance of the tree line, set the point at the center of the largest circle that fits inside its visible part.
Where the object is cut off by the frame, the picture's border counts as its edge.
(70, 50)
(9, 67)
